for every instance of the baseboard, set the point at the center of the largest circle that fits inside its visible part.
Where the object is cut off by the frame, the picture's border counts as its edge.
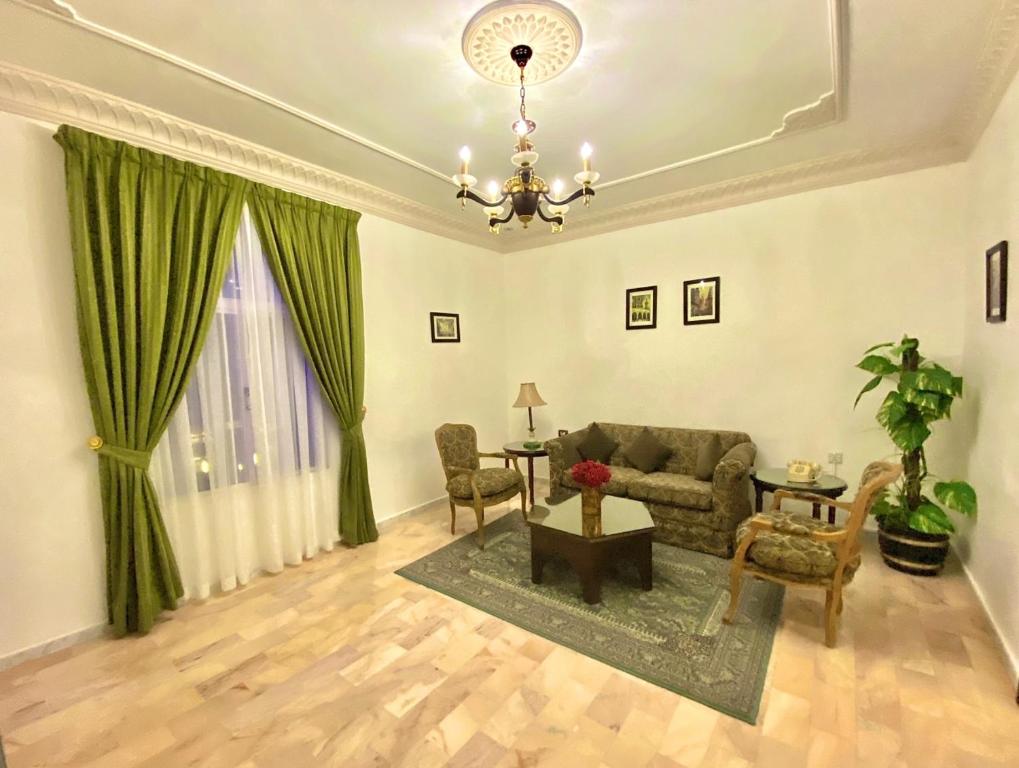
(411, 510)
(53, 645)
(1012, 657)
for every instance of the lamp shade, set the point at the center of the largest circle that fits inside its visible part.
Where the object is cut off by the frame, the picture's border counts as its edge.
(528, 397)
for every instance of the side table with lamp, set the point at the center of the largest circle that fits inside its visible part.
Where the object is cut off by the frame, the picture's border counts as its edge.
(531, 448)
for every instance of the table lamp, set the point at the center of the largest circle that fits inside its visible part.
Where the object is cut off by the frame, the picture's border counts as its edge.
(529, 398)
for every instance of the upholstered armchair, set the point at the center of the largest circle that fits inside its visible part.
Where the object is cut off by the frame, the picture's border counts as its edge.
(797, 550)
(467, 483)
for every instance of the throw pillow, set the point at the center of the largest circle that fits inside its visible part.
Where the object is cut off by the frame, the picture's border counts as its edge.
(569, 443)
(596, 445)
(647, 453)
(709, 453)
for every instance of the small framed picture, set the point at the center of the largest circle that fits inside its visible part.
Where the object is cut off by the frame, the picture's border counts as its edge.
(702, 301)
(445, 327)
(563, 432)
(641, 307)
(997, 282)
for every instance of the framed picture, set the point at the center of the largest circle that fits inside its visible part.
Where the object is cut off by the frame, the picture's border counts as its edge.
(702, 301)
(445, 327)
(641, 307)
(997, 282)
(563, 432)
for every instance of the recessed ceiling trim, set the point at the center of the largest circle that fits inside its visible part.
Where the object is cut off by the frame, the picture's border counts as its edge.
(828, 109)
(66, 12)
(49, 99)
(837, 15)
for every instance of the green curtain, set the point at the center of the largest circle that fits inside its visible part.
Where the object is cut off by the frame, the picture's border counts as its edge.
(313, 253)
(151, 237)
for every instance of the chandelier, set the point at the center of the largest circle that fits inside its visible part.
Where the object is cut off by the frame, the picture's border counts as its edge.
(524, 190)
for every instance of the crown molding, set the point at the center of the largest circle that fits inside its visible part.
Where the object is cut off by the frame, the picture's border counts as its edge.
(846, 168)
(811, 116)
(52, 100)
(995, 71)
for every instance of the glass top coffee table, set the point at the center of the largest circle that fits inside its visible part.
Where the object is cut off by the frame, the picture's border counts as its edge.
(560, 531)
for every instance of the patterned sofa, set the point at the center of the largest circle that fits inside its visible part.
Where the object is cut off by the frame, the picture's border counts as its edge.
(687, 512)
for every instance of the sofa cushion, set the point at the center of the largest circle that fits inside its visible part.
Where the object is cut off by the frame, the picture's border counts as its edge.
(709, 453)
(617, 484)
(596, 445)
(647, 453)
(490, 481)
(667, 488)
(797, 558)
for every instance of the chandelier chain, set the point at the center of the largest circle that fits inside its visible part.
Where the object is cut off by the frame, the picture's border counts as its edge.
(523, 106)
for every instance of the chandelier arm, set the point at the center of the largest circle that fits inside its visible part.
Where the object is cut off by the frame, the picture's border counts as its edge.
(583, 191)
(492, 220)
(477, 199)
(558, 220)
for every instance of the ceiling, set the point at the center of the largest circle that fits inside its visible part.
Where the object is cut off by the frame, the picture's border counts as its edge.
(689, 104)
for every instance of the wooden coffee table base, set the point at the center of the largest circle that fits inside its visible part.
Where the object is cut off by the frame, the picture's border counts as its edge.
(591, 557)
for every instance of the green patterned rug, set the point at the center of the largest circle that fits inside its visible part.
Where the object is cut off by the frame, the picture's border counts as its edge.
(672, 636)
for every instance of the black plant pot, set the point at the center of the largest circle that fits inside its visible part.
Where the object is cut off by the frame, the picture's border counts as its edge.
(909, 551)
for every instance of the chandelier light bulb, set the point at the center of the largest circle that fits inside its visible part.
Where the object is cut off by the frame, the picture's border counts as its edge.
(493, 189)
(465, 159)
(520, 128)
(557, 187)
(585, 154)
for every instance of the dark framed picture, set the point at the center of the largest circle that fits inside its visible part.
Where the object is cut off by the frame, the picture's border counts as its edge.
(702, 301)
(445, 327)
(641, 307)
(563, 432)
(997, 282)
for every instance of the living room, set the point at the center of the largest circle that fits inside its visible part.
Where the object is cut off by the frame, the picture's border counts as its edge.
(788, 197)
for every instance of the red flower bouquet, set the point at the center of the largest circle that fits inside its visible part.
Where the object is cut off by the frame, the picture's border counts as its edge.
(592, 474)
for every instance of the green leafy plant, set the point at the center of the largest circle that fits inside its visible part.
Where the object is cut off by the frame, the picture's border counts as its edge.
(923, 394)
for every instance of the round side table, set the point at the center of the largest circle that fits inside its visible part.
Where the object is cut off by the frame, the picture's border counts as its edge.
(517, 449)
(774, 479)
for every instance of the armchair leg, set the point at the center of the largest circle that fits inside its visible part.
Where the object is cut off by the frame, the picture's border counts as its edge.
(735, 586)
(479, 513)
(452, 516)
(831, 604)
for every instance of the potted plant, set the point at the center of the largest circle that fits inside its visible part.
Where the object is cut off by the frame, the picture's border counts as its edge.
(913, 527)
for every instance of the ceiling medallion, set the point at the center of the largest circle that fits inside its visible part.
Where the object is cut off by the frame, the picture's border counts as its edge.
(551, 30)
(525, 190)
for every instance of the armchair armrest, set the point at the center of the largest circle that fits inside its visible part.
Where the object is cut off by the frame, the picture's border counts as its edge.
(813, 498)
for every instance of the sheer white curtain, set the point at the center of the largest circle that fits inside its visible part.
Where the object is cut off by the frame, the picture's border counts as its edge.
(247, 472)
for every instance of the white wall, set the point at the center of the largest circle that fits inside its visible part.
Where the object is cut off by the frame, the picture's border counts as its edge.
(808, 282)
(991, 369)
(51, 537)
(51, 532)
(412, 385)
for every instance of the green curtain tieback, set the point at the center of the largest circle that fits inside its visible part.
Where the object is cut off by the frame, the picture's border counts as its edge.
(137, 459)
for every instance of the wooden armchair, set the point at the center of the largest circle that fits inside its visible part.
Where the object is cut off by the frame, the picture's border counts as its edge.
(797, 550)
(467, 483)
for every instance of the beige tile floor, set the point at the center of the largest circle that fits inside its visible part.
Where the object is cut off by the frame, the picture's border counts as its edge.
(340, 662)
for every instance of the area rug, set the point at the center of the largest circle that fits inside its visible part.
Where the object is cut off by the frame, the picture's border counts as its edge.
(672, 636)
